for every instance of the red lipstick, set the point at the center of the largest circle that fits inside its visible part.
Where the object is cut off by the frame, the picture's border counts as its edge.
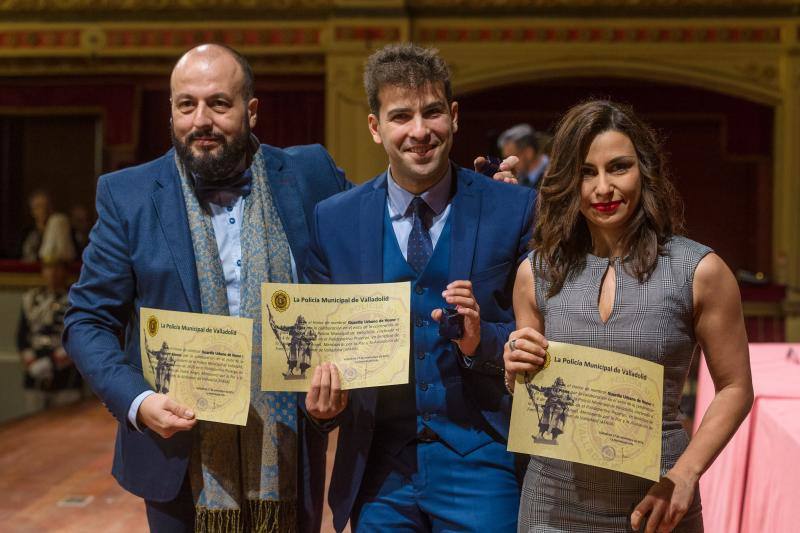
(607, 207)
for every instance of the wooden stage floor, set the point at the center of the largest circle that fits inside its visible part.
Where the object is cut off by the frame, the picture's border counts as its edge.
(55, 475)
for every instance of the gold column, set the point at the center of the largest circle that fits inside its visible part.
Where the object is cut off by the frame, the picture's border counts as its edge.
(346, 134)
(349, 41)
(786, 212)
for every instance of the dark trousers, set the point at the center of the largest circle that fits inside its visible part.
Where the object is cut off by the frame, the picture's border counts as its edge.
(174, 516)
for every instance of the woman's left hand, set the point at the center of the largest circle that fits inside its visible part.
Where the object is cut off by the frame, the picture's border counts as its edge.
(666, 502)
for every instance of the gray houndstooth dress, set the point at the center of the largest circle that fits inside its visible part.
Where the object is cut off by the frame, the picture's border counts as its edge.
(652, 320)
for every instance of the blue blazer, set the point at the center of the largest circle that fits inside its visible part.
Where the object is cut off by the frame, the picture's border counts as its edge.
(490, 229)
(140, 254)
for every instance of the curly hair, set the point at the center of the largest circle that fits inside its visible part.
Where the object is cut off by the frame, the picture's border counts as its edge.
(404, 65)
(561, 235)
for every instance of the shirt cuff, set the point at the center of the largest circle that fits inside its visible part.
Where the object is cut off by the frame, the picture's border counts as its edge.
(134, 410)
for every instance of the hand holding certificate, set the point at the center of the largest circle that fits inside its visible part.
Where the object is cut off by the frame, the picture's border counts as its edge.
(593, 407)
(363, 329)
(199, 361)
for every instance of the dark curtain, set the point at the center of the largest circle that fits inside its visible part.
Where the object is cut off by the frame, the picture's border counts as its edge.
(12, 202)
(719, 150)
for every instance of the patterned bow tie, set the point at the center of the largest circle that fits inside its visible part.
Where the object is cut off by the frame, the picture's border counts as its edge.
(224, 192)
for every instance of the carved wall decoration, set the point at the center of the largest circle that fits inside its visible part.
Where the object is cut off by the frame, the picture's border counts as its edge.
(367, 33)
(118, 6)
(598, 3)
(31, 39)
(133, 38)
(599, 34)
(158, 5)
(766, 75)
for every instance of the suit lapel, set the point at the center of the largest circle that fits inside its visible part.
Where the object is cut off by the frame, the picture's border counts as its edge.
(466, 210)
(289, 202)
(371, 216)
(171, 210)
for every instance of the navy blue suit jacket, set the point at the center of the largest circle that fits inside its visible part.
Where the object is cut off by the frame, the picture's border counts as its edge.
(491, 225)
(140, 254)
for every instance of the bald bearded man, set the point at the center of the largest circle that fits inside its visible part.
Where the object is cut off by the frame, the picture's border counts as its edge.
(199, 230)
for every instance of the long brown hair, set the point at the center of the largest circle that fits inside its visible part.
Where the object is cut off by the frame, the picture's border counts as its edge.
(561, 236)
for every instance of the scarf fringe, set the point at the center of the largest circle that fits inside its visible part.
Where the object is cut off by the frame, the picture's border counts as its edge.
(262, 517)
(217, 520)
(272, 516)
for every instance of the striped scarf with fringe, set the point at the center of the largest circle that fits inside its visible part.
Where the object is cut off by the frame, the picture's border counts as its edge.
(245, 478)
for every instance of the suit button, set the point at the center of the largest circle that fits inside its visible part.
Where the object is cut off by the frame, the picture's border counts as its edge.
(419, 289)
(420, 355)
(418, 322)
(423, 386)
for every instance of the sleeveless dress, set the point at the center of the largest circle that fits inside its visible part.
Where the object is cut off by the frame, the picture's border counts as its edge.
(651, 320)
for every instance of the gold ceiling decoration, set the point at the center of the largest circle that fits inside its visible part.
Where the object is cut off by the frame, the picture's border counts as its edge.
(158, 5)
(600, 3)
(111, 6)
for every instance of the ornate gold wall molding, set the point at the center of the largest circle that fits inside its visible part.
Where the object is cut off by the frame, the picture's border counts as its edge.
(620, 33)
(159, 5)
(185, 5)
(155, 38)
(756, 80)
(480, 4)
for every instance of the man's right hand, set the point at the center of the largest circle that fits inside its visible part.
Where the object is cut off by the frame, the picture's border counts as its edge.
(326, 399)
(162, 415)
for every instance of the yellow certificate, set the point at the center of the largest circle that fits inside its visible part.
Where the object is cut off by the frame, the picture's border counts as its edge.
(364, 329)
(593, 407)
(200, 361)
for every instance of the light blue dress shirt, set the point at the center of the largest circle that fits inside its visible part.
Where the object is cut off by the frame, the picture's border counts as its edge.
(227, 223)
(437, 198)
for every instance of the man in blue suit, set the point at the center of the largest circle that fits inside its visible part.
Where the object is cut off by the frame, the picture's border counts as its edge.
(430, 455)
(198, 230)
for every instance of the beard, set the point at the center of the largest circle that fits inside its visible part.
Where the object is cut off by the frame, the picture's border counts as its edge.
(206, 166)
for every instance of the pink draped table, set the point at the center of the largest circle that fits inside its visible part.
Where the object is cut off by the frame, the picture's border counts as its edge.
(752, 485)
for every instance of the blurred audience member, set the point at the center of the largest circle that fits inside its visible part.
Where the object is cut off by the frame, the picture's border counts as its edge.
(523, 141)
(41, 209)
(57, 242)
(50, 377)
(51, 237)
(81, 222)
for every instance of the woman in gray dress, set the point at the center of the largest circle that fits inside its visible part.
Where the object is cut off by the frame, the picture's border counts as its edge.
(609, 270)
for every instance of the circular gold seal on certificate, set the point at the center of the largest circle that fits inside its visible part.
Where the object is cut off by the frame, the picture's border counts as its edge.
(546, 359)
(280, 301)
(152, 326)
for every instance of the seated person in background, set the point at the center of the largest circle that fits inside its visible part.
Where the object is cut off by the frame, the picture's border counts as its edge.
(57, 240)
(524, 142)
(51, 235)
(50, 377)
(40, 209)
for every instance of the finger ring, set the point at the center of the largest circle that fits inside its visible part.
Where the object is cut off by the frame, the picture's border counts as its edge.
(512, 344)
